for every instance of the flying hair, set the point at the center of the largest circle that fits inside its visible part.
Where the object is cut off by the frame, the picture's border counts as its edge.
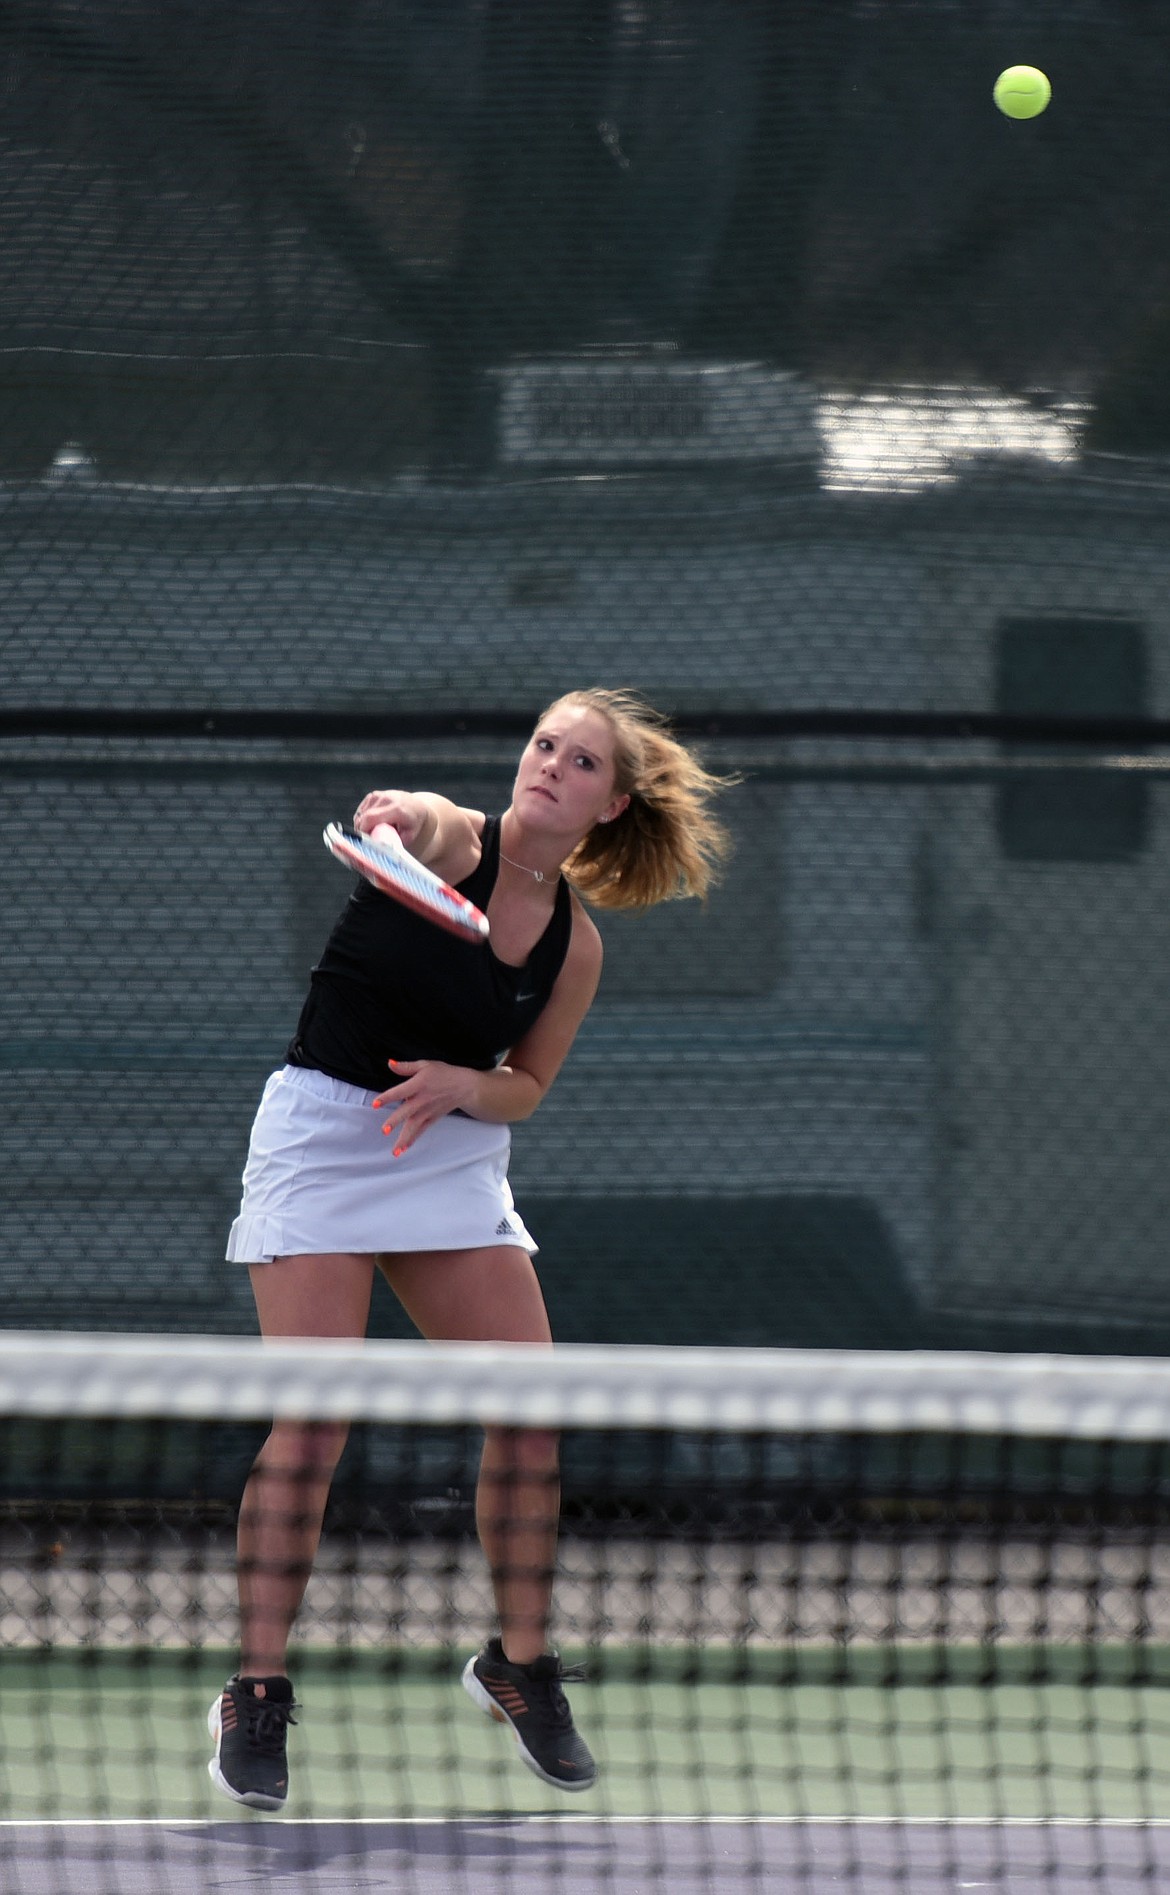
(667, 844)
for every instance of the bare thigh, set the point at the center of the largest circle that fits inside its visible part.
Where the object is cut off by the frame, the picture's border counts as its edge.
(491, 1294)
(326, 1295)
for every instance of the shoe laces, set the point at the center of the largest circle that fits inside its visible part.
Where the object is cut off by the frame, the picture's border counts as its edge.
(268, 1723)
(571, 1674)
(564, 1674)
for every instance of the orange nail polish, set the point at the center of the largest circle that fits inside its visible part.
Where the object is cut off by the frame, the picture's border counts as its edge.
(398, 1150)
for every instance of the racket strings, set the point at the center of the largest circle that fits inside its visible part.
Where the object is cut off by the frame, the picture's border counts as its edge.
(401, 875)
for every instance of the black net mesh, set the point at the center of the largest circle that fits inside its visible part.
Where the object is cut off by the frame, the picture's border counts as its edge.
(841, 1625)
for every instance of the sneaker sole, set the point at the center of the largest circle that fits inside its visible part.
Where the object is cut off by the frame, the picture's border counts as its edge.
(484, 1699)
(253, 1799)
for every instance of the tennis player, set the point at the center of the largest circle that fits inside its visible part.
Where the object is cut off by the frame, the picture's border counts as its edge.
(384, 1141)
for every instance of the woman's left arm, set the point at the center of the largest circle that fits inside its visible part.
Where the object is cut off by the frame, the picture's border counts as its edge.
(428, 1088)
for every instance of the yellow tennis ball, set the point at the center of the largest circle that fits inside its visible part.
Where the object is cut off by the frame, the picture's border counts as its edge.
(1022, 91)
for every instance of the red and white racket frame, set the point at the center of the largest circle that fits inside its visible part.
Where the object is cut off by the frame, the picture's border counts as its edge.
(388, 867)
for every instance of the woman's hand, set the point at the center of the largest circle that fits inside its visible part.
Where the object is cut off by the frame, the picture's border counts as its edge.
(427, 1090)
(403, 810)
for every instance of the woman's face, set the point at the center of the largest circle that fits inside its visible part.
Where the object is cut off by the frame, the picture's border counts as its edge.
(565, 781)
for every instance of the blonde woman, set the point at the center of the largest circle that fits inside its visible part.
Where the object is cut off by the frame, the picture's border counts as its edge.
(384, 1141)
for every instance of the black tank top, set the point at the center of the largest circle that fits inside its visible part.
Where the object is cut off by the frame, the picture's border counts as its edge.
(390, 985)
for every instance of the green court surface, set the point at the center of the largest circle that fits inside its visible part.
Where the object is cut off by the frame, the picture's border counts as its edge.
(124, 1736)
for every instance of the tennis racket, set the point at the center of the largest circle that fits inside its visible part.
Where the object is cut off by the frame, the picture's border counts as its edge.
(384, 862)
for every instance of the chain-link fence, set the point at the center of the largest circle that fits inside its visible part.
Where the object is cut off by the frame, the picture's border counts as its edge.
(900, 1083)
(368, 376)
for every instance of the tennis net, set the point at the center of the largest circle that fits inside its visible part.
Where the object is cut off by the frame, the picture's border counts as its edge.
(848, 1620)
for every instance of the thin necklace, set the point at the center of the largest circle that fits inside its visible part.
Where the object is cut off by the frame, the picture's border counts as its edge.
(537, 875)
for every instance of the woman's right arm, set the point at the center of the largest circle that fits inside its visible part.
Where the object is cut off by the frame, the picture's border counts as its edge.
(436, 831)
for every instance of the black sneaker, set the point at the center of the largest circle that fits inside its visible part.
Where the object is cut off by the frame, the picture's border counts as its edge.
(530, 1699)
(249, 1722)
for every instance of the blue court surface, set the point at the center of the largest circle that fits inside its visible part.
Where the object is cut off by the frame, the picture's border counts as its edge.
(582, 1855)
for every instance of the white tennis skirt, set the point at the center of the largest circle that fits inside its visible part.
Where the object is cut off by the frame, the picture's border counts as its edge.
(321, 1177)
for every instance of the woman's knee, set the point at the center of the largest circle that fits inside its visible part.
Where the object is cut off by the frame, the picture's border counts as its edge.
(514, 1452)
(304, 1450)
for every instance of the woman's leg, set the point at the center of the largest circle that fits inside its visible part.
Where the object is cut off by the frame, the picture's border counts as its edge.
(493, 1295)
(284, 1500)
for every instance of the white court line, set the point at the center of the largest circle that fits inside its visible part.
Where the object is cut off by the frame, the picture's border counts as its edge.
(581, 1820)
